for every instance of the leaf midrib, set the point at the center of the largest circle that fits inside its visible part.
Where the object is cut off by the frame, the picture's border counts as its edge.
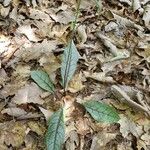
(57, 128)
(45, 83)
(67, 65)
(101, 112)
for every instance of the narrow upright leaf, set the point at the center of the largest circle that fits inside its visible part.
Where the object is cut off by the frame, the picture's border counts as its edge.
(43, 80)
(101, 112)
(69, 63)
(56, 131)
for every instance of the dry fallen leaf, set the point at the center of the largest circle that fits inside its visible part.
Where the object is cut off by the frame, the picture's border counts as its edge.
(36, 127)
(64, 16)
(22, 70)
(101, 76)
(128, 126)
(28, 32)
(46, 113)
(12, 133)
(4, 43)
(14, 111)
(73, 140)
(29, 51)
(82, 34)
(30, 93)
(100, 140)
(146, 16)
(76, 84)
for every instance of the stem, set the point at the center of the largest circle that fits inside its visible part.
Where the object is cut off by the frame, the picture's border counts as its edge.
(71, 38)
(76, 16)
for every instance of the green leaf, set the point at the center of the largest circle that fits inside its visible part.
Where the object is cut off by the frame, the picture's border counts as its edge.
(56, 131)
(69, 63)
(98, 5)
(101, 112)
(43, 80)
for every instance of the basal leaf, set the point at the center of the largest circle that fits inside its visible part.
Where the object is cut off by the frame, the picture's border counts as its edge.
(69, 63)
(101, 112)
(56, 131)
(43, 80)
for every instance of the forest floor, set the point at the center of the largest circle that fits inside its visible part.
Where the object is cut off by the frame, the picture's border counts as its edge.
(113, 40)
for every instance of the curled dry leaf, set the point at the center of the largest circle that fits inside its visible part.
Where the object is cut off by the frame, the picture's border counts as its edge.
(4, 11)
(28, 32)
(30, 93)
(6, 2)
(38, 14)
(126, 1)
(128, 126)
(46, 113)
(122, 96)
(111, 26)
(136, 5)
(14, 111)
(146, 16)
(144, 2)
(123, 22)
(29, 115)
(117, 53)
(101, 76)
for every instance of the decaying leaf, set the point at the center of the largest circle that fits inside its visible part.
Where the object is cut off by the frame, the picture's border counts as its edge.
(4, 43)
(38, 14)
(128, 126)
(3, 76)
(37, 128)
(32, 35)
(50, 64)
(29, 32)
(82, 33)
(146, 16)
(47, 113)
(126, 1)
(30, 93)
(100, 140)
(14, 111)
(64, 16)
(73, 141)
(30, 51)
(12, 133)
(121, 95)
(118, 54)
(76, 84)
(124, 22)
(101, 76)
(22, 70)
(136, 5)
